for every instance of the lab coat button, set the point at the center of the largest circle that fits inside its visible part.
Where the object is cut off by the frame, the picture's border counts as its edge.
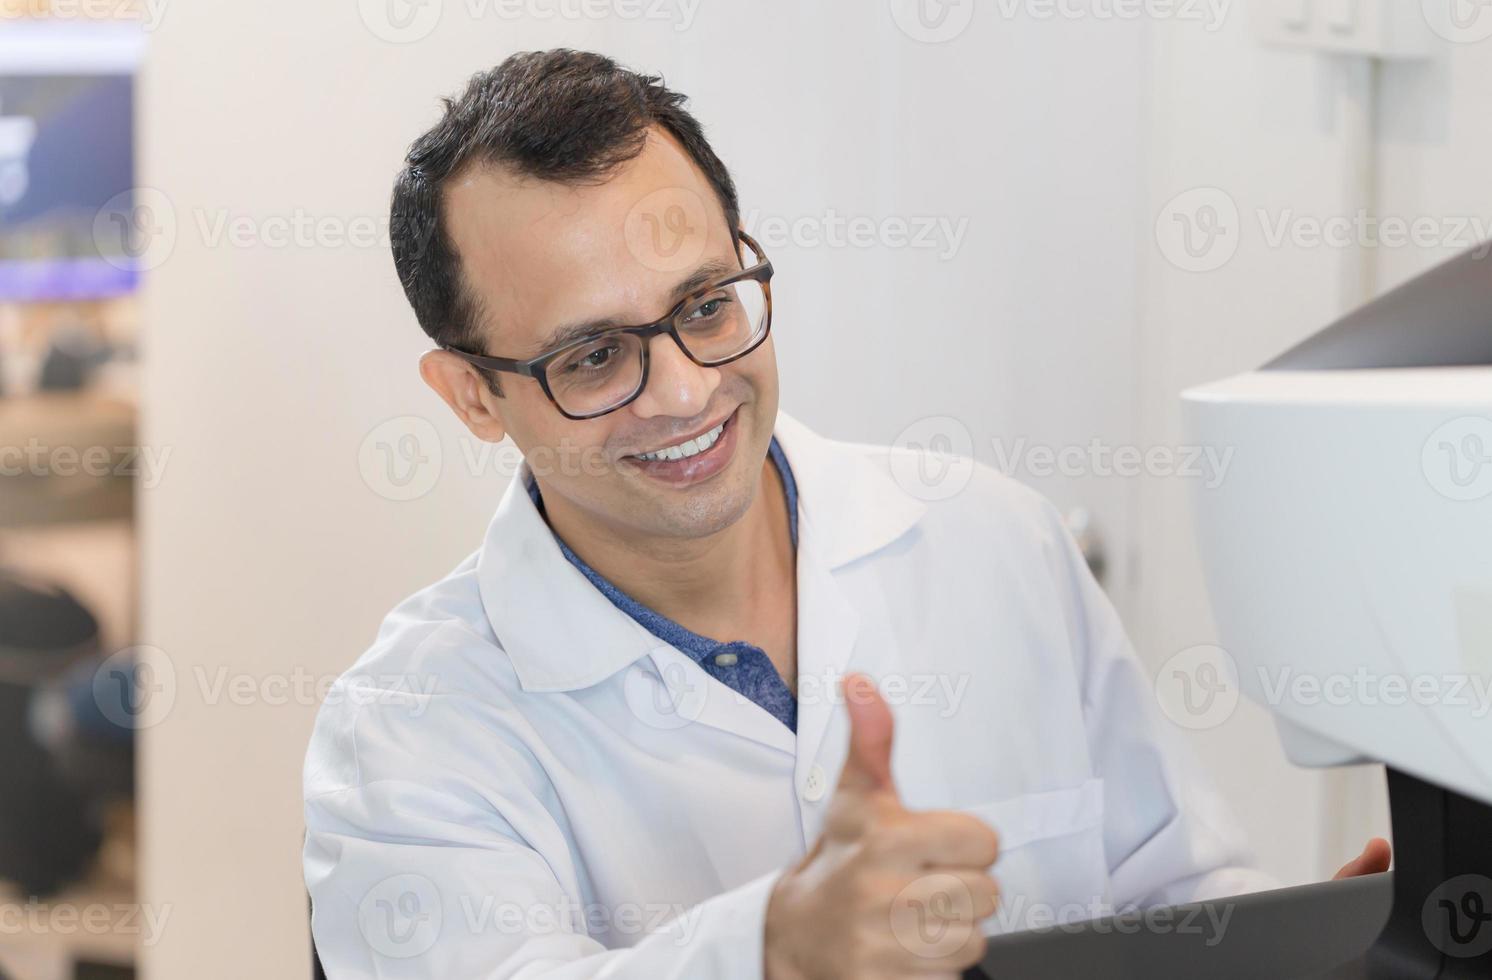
(816, 785)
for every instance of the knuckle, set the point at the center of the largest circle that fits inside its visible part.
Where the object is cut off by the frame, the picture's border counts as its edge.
(984, 840)
(986, 899)
(991, 836)
(992, 841)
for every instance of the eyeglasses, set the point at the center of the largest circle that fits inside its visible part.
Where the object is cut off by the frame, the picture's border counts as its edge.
(717, 323)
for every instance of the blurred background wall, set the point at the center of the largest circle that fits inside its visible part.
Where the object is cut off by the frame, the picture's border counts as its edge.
(980, 219)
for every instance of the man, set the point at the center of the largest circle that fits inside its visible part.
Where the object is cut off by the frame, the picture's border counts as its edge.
(650, 741)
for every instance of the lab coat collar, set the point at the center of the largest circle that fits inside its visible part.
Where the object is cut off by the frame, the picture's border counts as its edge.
(562, 634)
(855, 505)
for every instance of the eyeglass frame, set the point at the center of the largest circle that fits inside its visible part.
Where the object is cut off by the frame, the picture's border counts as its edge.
(537, 367)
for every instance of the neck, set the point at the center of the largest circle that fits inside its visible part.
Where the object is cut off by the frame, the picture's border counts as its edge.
(711, 585)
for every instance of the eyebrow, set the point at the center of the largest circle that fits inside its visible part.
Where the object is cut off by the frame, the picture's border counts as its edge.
(562, 335)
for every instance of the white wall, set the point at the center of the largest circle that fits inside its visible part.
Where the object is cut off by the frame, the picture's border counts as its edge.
(1435, 148)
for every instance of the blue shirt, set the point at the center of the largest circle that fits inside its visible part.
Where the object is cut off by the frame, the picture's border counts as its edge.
(740, 666)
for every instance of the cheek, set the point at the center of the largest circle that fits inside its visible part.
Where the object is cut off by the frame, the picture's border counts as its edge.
(530, 418)
(756, 372)
(557, 449)
(580, 449)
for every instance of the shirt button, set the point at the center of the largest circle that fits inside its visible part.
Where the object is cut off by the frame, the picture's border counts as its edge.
(816, 785)
(725, 659)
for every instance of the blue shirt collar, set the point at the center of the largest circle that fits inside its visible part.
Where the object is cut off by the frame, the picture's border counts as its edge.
(692, 644)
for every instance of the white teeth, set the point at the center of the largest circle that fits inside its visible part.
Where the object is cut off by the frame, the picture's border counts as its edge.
(691, 447)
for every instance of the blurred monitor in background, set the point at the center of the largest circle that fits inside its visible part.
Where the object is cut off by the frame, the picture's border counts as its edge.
(67, 201)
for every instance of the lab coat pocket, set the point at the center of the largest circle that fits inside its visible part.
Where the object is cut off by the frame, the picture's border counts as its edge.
(1052, 867)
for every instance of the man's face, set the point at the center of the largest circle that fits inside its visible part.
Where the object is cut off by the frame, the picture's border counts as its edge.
(542, 258)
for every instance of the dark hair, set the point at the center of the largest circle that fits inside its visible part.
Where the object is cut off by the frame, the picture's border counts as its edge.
(560, 115)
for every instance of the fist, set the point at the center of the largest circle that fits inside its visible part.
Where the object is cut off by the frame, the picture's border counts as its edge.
(885, 892)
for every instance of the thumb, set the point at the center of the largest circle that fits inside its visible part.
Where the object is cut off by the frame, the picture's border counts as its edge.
(1375, 858)
(868, 767)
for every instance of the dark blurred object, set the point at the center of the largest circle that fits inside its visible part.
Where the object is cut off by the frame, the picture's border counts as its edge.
(318, 972)
(72, 357)
(84, 970)
(86, 723)
(1080, 523)
(46, 835)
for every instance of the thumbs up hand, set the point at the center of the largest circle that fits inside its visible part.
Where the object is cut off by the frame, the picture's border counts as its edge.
(884, 893)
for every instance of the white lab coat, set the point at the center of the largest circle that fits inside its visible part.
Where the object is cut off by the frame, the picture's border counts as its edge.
(519, 781)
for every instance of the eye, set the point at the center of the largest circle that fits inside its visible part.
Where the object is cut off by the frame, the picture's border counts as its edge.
(599, 357)
(594, 359)
(707, 309)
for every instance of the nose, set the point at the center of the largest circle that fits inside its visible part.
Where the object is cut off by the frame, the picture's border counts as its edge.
(676, 385)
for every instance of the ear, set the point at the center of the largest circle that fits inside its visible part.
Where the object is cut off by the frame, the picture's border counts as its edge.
(462, 387)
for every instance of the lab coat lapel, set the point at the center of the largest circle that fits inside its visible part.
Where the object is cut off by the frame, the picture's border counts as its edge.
(849, 507)
(828, 624)
(692, 696)
(559, 632)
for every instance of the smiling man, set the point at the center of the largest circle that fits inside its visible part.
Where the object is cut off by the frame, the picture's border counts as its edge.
(655, 734)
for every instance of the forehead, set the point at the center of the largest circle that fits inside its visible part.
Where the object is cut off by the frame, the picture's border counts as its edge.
(541, 255)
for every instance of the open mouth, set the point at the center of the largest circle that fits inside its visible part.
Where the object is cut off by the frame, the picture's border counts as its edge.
(688, 448)
(696, 458)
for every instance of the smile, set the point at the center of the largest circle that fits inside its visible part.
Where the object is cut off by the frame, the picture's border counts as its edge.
(694, 460)
(687, 448)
